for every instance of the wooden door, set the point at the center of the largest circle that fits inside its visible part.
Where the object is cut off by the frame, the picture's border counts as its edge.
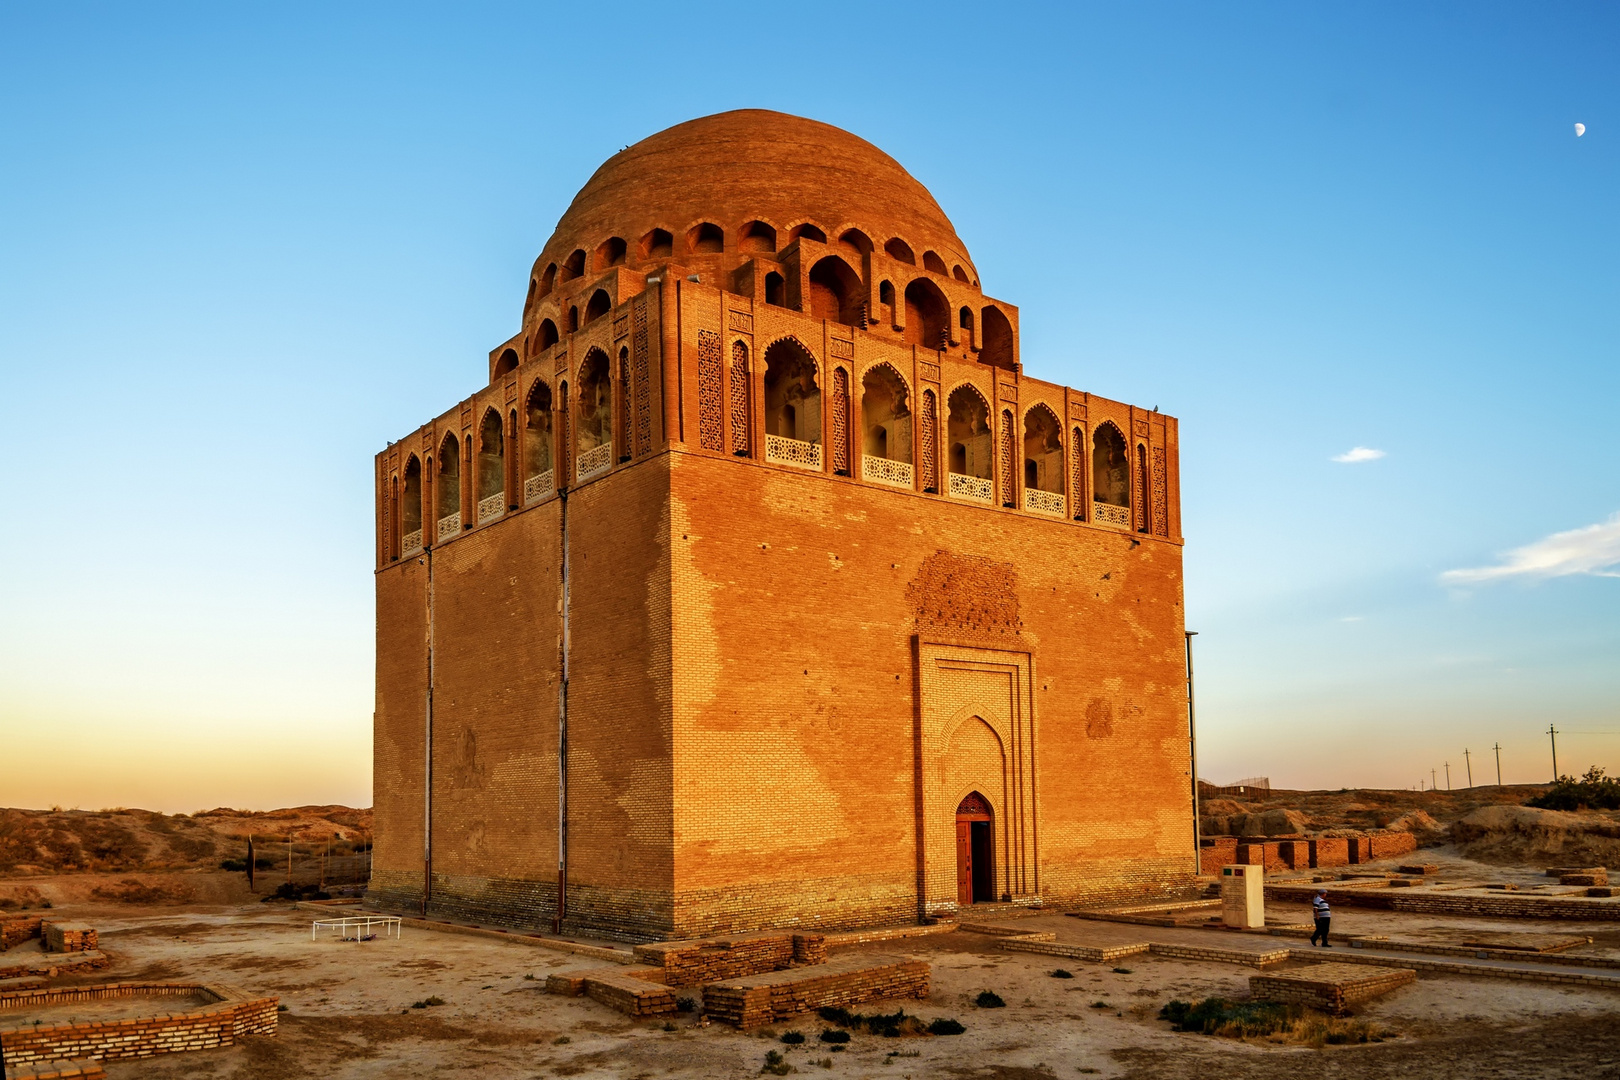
(964, 862)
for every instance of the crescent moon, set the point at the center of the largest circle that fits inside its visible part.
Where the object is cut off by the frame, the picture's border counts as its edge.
(1580, 129)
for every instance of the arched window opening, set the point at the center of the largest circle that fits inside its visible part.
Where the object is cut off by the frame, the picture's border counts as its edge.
(574, 265)
(1077, 473)
(507, 363)
(856, 242)
(1007, 495)
(934, 264)
(970, 450)
(600, 304)
(611, 253)
(547, 337)
(573, 319)
(705, 239)
(758, 236)
(410, 513)
(964, 322)
(624, 403)
(900, 250)
(448, 485)
(886, 301)
(657, 244)
(1142, 519)
(1110, 476)
(491, 467)
(547, 281)
(807, 231)
(792, 406)
(885, 427)
(958, 273)
(928, 442)
(595, 434)
(1043, 461)
(835, 291)
(927, 315)
(775, 290)
(742, 392)
(996, 342)
(528, 301)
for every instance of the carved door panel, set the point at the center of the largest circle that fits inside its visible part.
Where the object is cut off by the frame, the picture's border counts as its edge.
(964, 862)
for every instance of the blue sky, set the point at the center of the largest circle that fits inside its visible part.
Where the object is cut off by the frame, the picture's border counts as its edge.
(242, 247)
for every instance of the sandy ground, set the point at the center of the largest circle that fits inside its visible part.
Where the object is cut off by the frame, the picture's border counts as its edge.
(350, 1017)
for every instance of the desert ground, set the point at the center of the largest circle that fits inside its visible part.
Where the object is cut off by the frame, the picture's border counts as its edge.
(349, 1005)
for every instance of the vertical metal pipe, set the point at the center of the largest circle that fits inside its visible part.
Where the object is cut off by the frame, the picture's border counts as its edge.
(1192, 752)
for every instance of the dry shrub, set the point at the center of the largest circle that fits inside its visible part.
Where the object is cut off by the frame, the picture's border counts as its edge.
(131, 891)
(1270, 1021)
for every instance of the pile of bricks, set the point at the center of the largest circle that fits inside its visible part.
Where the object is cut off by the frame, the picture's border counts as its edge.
(228, 1015)
(1332, 988)
(705, 960)
(63, 937)
(756, 1000)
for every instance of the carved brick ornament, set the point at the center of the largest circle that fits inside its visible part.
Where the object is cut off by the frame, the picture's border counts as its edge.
(710, 421)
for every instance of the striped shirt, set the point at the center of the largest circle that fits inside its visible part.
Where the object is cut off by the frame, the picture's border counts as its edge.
(1320, 907)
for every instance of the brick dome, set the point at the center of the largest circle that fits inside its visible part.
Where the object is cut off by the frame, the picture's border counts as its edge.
(735, 168)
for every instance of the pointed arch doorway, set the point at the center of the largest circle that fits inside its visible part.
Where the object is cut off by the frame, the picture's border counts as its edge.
(975, 851)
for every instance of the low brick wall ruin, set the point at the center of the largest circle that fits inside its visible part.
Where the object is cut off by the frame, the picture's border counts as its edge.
(232, 1014)
(1301, 853)
(1497, 905)
(757, 1000)
(705, 960)
(1332, 988)
(16, 929)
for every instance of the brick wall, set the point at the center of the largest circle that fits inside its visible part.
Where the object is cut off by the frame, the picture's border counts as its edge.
(233, 1015)
(70, 937)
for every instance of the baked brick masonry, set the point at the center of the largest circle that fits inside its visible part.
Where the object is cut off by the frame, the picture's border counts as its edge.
(761, 587)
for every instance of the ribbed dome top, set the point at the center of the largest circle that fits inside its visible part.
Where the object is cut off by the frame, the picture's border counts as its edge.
(735, 167)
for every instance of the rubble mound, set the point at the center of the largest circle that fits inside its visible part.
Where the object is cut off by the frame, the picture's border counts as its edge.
(1525, 834)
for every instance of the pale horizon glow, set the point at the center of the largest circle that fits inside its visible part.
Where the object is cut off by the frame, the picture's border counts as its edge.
(245, 247)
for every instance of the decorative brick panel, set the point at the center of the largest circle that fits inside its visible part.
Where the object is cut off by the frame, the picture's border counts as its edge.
(710, 391)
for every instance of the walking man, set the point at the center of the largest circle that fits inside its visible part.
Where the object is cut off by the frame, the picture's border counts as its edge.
(1324, 918)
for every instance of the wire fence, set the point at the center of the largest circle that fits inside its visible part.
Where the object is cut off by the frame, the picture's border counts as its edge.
(341, 868)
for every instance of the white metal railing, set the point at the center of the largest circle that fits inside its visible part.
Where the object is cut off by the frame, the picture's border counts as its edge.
(450, 527)
(972, 487)
(539, 486)
(1108, 514)
(492, 507)
(884, 471)
(1044, 502)
(411, 543)
(595, 461)
(785, 451)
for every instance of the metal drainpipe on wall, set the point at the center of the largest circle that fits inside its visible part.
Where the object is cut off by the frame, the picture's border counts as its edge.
(427, 757)
(562, 733)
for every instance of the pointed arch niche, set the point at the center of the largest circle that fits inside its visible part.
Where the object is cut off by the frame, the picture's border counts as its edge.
(977, 733)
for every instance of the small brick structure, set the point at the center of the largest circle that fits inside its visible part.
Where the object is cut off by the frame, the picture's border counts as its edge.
(632, 991)
(222, 1019)
(62, 937)
(16, 929)
(1332, 988)
(1584, 879)
(756, 1000)
(705, 960)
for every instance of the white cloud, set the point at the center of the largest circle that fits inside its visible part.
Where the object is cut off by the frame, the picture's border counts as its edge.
(1357, 454)
(1592, 549)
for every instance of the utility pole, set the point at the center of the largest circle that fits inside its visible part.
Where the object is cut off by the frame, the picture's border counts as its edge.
(1553, 733)
(1448, 776)
(1498, 749)
(1469, 764)
(1192, 753)
(1434, 785)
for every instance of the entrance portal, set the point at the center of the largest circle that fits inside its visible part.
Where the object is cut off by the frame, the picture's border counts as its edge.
(975, 851)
